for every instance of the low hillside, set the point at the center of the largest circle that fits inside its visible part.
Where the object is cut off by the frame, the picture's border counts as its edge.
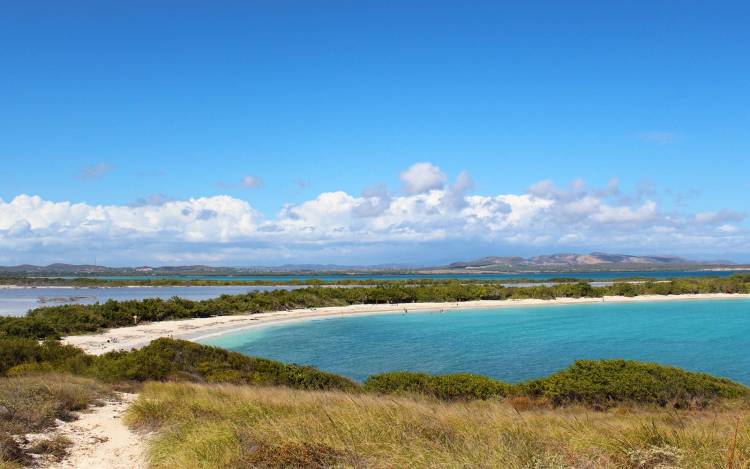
(210, 408)
(226, 426)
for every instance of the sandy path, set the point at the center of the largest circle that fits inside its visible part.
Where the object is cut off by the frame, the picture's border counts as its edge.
(127, 338)
(101, 440)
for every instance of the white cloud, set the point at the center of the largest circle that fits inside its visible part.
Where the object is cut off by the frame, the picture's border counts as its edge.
(727, 228)
(252, 182)
(216, 219)
(640, 214)
(422, 177)
(228, 229)
(720, 217)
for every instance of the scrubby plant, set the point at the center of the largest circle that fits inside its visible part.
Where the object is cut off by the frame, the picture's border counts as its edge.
(604, 382)
(459, 386)
(18, 350)
(164, 359)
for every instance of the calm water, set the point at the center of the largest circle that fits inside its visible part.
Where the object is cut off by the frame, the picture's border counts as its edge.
(514, 344)
(535, 276)
(17, 301)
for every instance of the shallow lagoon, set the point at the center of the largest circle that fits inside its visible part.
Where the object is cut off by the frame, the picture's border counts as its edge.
(513, 344)
(17, 301)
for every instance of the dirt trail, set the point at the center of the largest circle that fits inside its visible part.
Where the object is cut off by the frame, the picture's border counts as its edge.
(101, 440)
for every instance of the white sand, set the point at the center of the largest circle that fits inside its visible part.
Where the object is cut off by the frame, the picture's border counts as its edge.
(101, 440)
(127, 338)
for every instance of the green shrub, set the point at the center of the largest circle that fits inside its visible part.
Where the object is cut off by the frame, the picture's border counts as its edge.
(460, 386)
(603, 382)
(16, 350)
(166, 358)
(399, 382)
(466, 386)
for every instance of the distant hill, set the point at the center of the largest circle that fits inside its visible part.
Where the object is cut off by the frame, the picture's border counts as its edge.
(52, 268)
(594, 261)
(574, 260)
(87, 270)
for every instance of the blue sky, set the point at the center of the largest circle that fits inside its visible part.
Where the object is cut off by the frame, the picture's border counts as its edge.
(117, 106)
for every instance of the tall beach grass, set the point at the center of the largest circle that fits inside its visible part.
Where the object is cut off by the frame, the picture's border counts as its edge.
(217, 426)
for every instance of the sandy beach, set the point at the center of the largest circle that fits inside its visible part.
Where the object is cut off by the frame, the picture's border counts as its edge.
(128, 338)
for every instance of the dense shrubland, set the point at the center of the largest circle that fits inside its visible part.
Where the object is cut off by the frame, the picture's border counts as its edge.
(163, 360)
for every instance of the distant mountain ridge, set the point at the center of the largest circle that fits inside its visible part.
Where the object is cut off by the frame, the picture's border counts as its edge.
(88, 269)
(551, 262)
(574, 260)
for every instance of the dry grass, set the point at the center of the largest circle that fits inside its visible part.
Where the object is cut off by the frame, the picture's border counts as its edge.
(219, 426)
(32, 404)
(56, 447)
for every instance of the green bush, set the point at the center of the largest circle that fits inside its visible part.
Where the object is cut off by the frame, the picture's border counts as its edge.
(466, 386)
(459, 386)
(16, 351)
(165, 359)
(604, 382)
(398, 382)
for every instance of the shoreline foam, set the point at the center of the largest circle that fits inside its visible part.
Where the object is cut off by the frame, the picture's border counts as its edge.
(132, 337)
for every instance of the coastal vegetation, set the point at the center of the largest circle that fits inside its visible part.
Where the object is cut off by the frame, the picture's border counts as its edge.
(458, 386)
(598, 384)
(210, 407)
(217, 426)
(56, 321)
(32, 404)
(163, 359)
(302, 281)
(595, 383)
(94, 282)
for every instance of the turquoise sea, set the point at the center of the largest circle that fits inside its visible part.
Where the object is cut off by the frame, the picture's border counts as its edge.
(513, 344)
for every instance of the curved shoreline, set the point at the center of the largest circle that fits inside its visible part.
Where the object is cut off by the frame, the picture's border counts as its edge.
(132, 337)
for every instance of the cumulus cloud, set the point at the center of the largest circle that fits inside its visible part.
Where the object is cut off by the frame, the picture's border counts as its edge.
(430, 212)
(422, 177)
(216, 219)
(376, 200)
